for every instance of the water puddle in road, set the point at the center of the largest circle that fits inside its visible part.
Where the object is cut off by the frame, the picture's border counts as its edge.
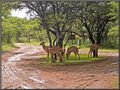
(25, 87)
(115, 63)
(35, 78)
(19, 56)
(113, 72)
(25, 51)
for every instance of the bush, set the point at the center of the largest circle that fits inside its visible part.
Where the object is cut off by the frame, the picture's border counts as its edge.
(111, 43)
(8, 47)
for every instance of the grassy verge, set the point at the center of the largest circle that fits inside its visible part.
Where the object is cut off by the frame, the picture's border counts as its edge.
(8, 47)
(102, 50)
(116, 85)
(83, 58)
(83, 48)
(35, 43)
(21, 40)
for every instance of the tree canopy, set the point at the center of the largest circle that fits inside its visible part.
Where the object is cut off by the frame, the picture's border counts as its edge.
(57, 20)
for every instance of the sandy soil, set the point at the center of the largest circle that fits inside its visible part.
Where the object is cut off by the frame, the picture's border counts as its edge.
(20, 70)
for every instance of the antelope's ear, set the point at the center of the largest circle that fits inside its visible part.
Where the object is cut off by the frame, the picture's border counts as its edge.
(42, 43)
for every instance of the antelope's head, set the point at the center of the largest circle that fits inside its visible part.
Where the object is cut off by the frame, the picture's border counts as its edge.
(42, 43)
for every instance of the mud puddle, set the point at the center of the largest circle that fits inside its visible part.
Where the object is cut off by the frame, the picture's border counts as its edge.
(18, 78)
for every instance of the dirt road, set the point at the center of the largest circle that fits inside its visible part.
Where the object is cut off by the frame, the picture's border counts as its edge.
(20, 70)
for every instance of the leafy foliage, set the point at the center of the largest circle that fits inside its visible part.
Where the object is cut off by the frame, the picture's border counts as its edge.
(8, 6)
(12, 27)
(56, 20)
(114, 11)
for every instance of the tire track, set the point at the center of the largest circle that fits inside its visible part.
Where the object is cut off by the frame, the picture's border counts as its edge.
(18, 78)
(15, 76)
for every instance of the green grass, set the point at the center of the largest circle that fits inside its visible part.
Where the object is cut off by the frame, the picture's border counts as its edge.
(102, 50)
(116, 85)
(8, 47)
(21, 40)
(83, 58)
(36, 43)
(109, 50)
(84, 47)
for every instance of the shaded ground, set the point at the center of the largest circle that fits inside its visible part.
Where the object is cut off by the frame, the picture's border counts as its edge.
(20, 70)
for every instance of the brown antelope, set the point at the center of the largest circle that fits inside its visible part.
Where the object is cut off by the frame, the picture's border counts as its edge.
(73, 49)
(46, 48)
(92, 48)
(56, 50)
(63, 52)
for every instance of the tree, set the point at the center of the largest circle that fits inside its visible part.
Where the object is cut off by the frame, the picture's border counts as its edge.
(94, 17)
(12, 27)
(8, 29)
(6, 7)
(56, 17)
(114, 11)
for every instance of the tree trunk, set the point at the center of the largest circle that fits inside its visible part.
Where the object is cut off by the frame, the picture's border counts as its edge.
(59, 41)
(94, 53)
(48, 34)
(28, 39)
(66, 42)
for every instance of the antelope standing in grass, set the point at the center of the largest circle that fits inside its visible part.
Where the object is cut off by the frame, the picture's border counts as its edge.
(56, 50)
(73, 49)
(46, 48)
(92, 48)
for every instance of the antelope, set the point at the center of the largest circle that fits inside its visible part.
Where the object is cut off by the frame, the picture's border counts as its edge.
(46, 48)
(63, 52)
(56, 50)
(92, 48)
(73, 49)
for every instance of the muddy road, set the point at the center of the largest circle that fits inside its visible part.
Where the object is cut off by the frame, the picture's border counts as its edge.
(20, 70)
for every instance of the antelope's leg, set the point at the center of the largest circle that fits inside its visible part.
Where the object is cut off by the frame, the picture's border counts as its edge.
(95, 53)
(91, 54)
(88, 54)
(61, 57)
(51, 57)
(57, 57)
(75, 56)
(68, 56)
(63, 54)
(78, 56)
(47, 57)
